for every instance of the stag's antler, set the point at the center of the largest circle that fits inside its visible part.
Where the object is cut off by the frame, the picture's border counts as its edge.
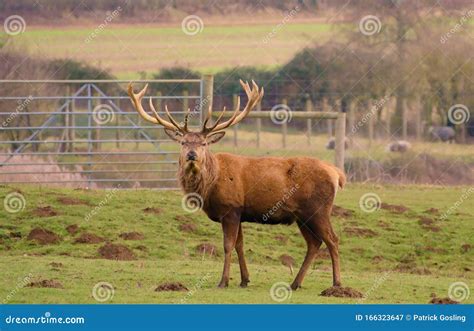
(254, 96)
(137, 103)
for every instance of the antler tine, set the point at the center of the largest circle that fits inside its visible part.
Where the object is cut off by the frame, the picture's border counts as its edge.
(254, 96)
(165, 123)
(186, 119)
(172, 120)
(136, 99)
(217, 121)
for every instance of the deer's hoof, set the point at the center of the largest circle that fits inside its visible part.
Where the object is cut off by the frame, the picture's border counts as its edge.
(223, 285)
(244, 283)
(295, 286)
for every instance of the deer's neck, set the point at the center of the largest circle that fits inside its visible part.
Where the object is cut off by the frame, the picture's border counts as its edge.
(199, 178)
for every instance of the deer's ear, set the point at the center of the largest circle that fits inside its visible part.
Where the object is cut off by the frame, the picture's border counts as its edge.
(215, 137)
(174, 135)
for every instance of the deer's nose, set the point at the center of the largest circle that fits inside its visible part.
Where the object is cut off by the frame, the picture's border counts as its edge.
(191, 156)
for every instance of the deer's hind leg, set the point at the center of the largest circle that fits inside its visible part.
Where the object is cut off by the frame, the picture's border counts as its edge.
(323, 228)
(313, 243)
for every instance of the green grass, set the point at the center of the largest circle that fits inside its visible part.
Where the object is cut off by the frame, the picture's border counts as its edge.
(129, 49)
(170, 254)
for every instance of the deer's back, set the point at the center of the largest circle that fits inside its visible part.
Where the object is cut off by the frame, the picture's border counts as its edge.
(272, 189)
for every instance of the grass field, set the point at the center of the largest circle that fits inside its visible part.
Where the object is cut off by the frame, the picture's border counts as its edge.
(127, 50)
(390, 256)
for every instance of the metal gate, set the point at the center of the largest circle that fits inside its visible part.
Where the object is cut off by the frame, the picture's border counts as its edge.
(81, 133)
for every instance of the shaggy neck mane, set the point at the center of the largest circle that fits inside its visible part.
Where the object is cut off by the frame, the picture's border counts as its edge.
(199, 179)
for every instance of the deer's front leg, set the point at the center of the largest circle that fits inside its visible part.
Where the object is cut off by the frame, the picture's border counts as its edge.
(230, 227)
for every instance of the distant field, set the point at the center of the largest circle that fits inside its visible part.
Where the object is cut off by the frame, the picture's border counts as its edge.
(129, 49)
(392, 256)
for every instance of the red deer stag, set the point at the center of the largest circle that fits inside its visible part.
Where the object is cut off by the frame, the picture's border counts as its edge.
(266, 190)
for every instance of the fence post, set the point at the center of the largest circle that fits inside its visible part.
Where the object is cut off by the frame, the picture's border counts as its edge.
(404, 120)
(259, 124)
(351, 121)
(72, 123)
(185, 101)
(207, 92)
(324, 107)
(96, 135)
(284, 125)
(235, 127)
(340, 137)
(371, 122)
(309, 123)
(117, 123)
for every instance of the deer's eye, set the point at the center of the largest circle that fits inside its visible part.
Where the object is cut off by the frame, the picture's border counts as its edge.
(203, 144)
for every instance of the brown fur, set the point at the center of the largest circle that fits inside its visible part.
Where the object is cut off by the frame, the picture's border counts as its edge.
(268, 190)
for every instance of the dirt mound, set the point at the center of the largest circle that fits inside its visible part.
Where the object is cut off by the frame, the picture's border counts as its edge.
(432, 211)
(360, 232)
(396, 209)
(116, 252)
(72, 201)
(132, 236)
(183, 218)
(341, 292)
(428, 224)
(88, 238)
(176, 286)
(46, 283)
(188, 227)
(16, 235)
(152, 210)
(281, 238)
(323, 253)
(287, 260)
(341, 212)
(46, 211)
(435, 250)
(43, 236)
(207, 249)
(72, 229)
(378, 258)
(466, 248)
(56, 264)
(408, 265)
(443, 301)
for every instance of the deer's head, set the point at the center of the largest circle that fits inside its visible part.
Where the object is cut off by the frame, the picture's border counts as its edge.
(195, 145)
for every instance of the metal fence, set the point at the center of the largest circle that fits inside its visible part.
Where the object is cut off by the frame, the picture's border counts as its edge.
(86, 134)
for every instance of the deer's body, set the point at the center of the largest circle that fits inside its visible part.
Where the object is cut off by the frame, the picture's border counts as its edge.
(267, 190)
(286, 188)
